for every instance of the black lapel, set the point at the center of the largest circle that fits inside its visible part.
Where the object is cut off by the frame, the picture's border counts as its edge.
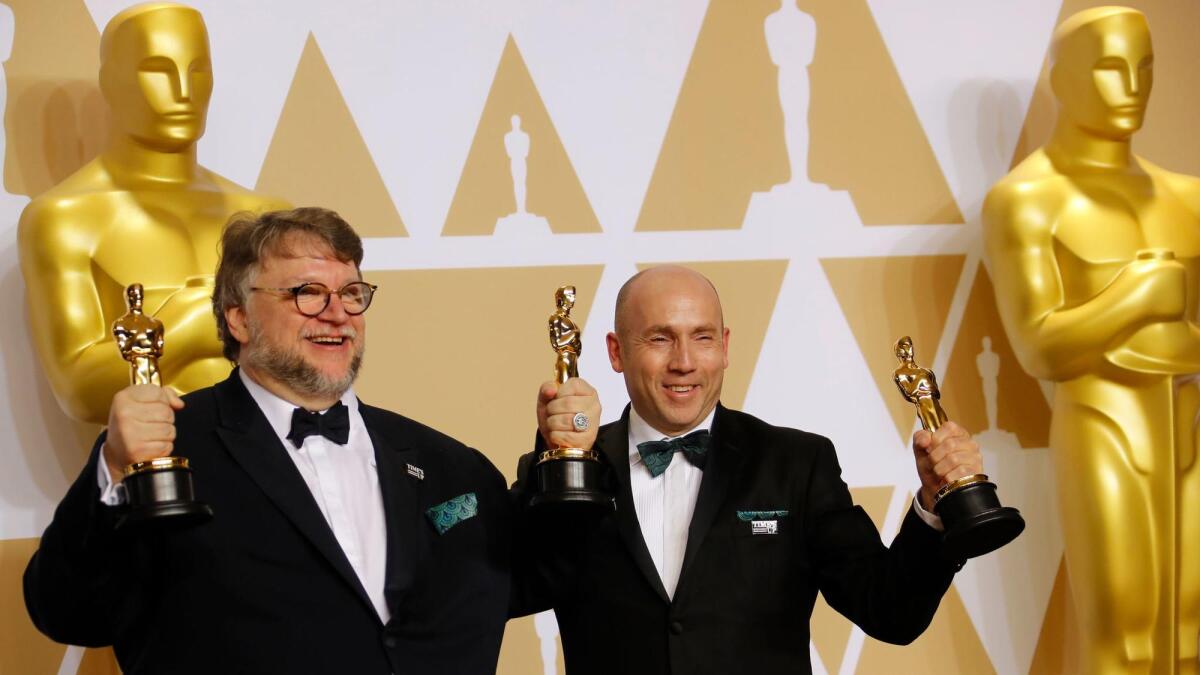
(720, 470)
(400, 504)
(614, 443)
(252, 443)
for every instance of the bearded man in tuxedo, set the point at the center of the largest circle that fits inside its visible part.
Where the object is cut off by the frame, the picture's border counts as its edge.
(345, 538)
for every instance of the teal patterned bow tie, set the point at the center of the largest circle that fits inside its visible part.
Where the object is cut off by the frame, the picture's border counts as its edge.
(657, 455)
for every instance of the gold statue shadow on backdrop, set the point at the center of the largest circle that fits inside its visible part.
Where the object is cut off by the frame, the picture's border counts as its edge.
(726, 137)
(1095, 254)
(55, 118)
(485, 191)
(143, 210)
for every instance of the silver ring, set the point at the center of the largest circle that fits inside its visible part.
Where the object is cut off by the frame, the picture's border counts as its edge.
(580, 422)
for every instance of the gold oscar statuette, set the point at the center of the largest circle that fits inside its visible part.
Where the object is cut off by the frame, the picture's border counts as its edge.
(568, 475)
(975, 522)
(1094, 252)
(160, 490)
(144, 210)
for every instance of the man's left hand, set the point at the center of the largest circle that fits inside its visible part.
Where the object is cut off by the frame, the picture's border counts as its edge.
(943, 457)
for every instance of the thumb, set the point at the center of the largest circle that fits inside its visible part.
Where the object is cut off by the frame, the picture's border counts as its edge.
(547, 392)
(922, 440)
(173, 399)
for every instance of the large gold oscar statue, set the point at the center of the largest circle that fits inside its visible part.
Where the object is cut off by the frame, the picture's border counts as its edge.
(1095, 254)
(144, 210)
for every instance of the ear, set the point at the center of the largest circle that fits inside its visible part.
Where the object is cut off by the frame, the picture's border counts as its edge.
(235, 317)
(614, 352)
(725, 347)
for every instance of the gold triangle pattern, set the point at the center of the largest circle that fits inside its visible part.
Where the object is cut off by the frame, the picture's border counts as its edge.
(318, 157)
(55, 120)
(886, 298)
(520, 653)
(22, 648)
(485, 191)
(485, 340)
(1020, 405)
(1056, 647)
(725, 138)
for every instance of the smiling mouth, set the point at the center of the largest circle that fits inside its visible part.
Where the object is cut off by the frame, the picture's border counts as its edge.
(335, 340)
(681, 388)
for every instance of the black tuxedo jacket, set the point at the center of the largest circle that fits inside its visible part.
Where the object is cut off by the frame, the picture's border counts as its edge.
(743, 600)
(264, 586)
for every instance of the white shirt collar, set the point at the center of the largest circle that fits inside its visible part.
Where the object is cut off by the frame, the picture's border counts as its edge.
(279, 411)
(640, 431)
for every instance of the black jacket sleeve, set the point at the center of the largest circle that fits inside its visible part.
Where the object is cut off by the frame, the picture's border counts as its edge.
(82, 574)
(892, 592)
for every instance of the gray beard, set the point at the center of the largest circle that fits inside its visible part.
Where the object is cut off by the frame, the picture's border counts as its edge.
(290, 369)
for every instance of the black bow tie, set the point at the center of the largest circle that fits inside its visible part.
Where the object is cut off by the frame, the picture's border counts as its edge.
(657, 455)
(334, 425)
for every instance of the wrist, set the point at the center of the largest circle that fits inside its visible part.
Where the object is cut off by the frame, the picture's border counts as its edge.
(116, 471)
(925, 495)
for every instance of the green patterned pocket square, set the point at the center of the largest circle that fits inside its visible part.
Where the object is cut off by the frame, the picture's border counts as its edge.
(747, 516)
(452, 512)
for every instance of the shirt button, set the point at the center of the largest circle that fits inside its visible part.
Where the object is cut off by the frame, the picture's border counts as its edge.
(389, 641)
(676, 628)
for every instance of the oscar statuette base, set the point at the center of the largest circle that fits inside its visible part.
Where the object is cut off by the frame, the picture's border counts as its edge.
(161, 495)
(976, 524)
(570, 476)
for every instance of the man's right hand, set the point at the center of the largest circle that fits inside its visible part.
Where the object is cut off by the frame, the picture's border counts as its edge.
(556, 409)
(141, 426)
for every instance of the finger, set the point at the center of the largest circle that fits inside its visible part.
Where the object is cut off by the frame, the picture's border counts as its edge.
(150, 433)
(566, 422)
(569, 439)
(570, 404)
(956, 444)
(151, 450)
(949, 430)
(560, 423)
(154, 411)
(547, 392)
(173, 398)
(922, 440)
(956, 473)
(144, 393)
(954, 467)
(576, 386)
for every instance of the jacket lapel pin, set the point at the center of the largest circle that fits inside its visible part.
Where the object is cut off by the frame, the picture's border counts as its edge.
(416, 472)
(762, 522)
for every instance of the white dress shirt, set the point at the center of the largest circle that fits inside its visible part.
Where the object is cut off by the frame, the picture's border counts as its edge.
(665, 504)
(342, 479)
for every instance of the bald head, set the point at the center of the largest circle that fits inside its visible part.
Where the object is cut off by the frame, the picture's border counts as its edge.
(664, 279)
(672, 346)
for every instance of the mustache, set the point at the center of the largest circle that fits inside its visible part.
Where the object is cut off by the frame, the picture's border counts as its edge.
(343, 332)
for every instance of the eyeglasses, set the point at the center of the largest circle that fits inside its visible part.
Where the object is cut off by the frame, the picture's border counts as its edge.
(312, 298)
